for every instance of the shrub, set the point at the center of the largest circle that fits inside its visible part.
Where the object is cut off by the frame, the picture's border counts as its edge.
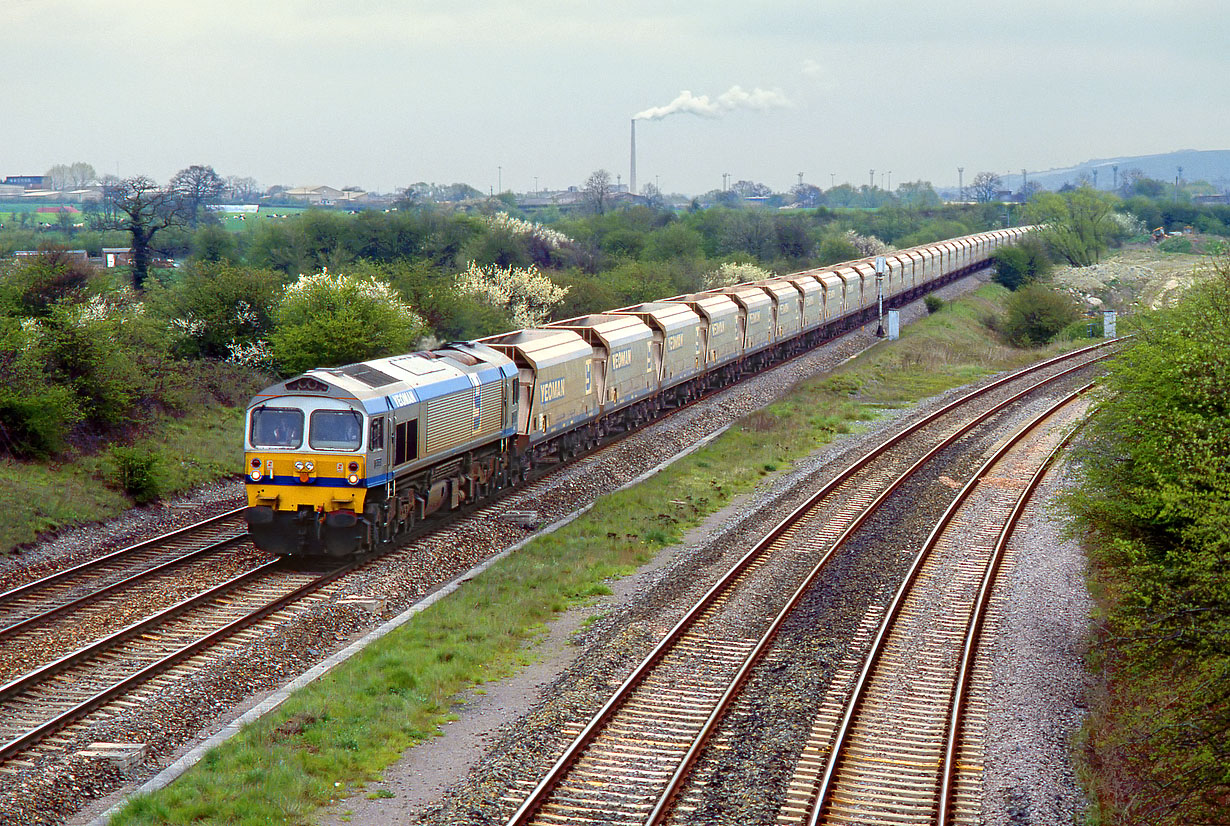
(213, 309)
(526, 294)
(137, 472)
(35, 413)
(1035, 314)
(730, 272)
(1025, 263)
(934, 303)
(1156, 495)
(324, 320)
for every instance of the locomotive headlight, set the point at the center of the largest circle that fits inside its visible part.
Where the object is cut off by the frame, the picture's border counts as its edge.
(298, 465)
(309, 466)
(353, 479)
(255, 475)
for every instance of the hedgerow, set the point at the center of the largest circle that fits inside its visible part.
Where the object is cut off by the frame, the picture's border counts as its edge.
(1155, 500)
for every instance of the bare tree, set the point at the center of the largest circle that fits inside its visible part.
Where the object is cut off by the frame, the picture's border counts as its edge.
(242, 188)
(195, 186)
(63, 177)
(985, 186)
(598, 192)
(142, 208)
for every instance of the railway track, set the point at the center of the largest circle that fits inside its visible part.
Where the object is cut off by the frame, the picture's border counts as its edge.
(631, 762)
(903, 747)
(40, 703)
(55, 593)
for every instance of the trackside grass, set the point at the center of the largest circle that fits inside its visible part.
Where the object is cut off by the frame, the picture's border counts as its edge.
(329, 739)
(199, 447)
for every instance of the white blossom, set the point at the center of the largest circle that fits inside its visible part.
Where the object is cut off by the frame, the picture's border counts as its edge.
(245, 313)
(867, 245)
(253, 356)
(120, 305)
(516, 226)
(527, 294)
(189, 326)
(1128, 223)
(729, 273)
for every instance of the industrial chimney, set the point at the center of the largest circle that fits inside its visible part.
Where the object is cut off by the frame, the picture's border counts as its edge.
(632, 177)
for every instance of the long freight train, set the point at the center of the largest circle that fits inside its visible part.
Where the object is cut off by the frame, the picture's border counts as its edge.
(342, 460)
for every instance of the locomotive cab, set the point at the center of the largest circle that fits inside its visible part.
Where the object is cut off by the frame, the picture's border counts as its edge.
(306, 468)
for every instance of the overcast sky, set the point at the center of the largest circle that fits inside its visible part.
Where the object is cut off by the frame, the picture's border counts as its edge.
(381, 94)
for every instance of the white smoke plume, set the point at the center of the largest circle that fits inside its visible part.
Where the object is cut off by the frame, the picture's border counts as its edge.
(704, 106)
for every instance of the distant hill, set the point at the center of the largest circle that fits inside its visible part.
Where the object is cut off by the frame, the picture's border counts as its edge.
(1212, 165)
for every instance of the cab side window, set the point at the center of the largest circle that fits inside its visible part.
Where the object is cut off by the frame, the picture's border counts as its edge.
(375, 434)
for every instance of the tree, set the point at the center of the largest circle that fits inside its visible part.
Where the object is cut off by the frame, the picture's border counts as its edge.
(806, 195)
(985, 185)
(597, 192)
(1029, 190)
(64, 177)
(653, 196)
(750, 189)
(325, 320)
(195, 186)
(1078, 225)
(141, 207)
(917, 194)
(242, 188)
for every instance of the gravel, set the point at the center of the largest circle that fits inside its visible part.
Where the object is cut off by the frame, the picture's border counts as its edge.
(1038, 673)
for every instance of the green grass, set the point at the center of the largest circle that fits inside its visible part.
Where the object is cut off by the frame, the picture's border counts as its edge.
(198, 448)
(335, 735)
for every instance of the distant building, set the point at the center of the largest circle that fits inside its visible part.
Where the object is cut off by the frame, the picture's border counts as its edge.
(27, 181)
(326, 195)
(116, 257)
(76, 255)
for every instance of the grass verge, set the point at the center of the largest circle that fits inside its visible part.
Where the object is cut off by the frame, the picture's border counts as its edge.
(329, 739)
(202, 446)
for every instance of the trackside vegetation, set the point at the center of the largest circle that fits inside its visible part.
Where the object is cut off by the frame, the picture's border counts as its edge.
(1155, 504)
(338, 734)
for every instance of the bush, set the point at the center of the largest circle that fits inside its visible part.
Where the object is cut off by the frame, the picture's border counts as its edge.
(934, 303)
(325, 320)
(1035, 314)
(214, 308)
(1022, 264)
(137, 472)
(1155, 496)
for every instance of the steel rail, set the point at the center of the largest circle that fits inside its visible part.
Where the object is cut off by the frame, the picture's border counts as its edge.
(675, 784)
(13, 629)
(548, 783)
(858, 692)
(25, 741)
(44, 672)
(146, 544)
(948, 770)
